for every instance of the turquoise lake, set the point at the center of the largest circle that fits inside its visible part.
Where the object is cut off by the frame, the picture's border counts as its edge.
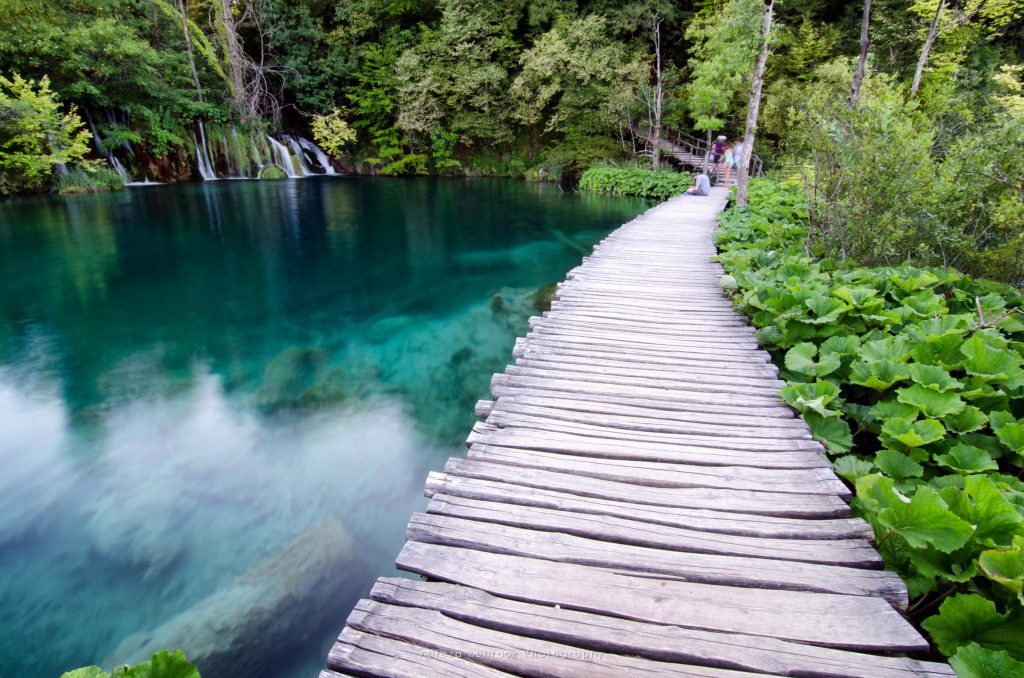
(219, 401)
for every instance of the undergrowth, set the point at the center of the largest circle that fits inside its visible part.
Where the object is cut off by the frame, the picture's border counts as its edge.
(912, 379)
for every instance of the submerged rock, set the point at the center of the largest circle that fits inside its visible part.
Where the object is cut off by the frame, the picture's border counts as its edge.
(284, 600)
(300, 377)
(543, 297)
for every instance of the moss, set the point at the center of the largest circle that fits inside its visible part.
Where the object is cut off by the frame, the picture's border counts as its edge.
(272, 172)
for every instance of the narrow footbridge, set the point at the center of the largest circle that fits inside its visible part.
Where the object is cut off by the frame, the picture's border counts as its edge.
(638, 501)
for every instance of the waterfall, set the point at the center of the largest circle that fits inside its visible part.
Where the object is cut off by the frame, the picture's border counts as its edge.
(283, 157)
(119, 168)
(203, 156)
(321, 157)
(97, 140)
(303, 167)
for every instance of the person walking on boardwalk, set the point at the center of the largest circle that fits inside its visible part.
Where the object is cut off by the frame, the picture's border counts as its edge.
(718, 152)
(728, 163)
(701, 184)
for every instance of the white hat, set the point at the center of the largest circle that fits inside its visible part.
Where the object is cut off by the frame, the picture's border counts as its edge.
(721, 136)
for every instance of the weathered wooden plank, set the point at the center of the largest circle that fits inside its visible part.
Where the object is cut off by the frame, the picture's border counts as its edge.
(765, 389)
(712, 451)
(520, 655)
(755, 502)
(505, 387)
(708, 343)
(683, 434)
(643, 419)
(728, 570)
(827, 619)
(625, 345)
(846, 552)
(656, 474)
(703, 519)
(653, 641)
(681, 377)
(682, 333)
(537, 347)
(371, 655)
(738, 404)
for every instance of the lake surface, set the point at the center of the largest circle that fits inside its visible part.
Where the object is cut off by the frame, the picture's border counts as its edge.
(219, 402)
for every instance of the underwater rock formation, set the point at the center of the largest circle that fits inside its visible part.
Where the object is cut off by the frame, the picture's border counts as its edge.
(281, 601)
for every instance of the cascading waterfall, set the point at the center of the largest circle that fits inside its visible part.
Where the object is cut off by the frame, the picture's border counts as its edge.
(297, 149)
(284, 158)
(97, 140)
(206, 170)
(320, 156)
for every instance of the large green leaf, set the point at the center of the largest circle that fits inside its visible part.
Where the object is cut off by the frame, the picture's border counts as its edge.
(913, 433)
(887, 409)
(981, 503)
(966, 459)
(800, 359)
(934, 378)
(878, 374)
(890, 348)
(966, 618)
(1006, 567)
(164, 665)
(823, 310)
(858, 297)
(967, 420)
(1012, 435)
(898, 466)
(914, 281)
(943, 351)
(989, 362)
(86, 672)
(811, 397)
(852, 467)
(931, 403)
(832, 432)
(924, 520)
(974, 661)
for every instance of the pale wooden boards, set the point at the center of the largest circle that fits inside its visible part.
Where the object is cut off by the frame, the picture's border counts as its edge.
(638, 500)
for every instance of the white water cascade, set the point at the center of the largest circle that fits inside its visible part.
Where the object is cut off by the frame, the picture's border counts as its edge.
(206, 170)
(297, 149)
(97, 140)
(284, 158)
(320, 156)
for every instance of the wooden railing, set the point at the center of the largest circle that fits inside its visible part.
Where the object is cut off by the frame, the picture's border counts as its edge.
(700, 150)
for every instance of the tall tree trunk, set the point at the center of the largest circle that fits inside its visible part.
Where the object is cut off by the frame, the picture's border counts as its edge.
(865, 44)
(188, 49)
(236, 61)
(658, 95)
(929, 41)
(742, 176)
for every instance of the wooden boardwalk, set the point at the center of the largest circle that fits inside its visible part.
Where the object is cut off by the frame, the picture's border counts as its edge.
(638, 500)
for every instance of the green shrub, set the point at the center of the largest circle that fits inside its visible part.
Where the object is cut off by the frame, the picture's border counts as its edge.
(633, 181)
(912, 379)
(161, 665)
(87, 179)
(272, 172)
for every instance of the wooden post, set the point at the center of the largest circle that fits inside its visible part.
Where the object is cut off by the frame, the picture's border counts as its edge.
(743, 175)
(865, 44)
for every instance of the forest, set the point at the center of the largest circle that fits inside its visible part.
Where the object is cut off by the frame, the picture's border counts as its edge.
(169, 90)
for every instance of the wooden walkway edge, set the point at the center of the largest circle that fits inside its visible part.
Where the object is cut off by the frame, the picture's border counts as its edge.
(638, 500)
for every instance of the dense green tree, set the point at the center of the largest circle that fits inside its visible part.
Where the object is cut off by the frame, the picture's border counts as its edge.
(36, 135)
(579, 84)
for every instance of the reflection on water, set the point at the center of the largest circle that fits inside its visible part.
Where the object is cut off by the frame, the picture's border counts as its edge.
(218, 403)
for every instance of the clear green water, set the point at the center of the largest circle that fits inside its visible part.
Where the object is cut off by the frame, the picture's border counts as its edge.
(202, 385)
